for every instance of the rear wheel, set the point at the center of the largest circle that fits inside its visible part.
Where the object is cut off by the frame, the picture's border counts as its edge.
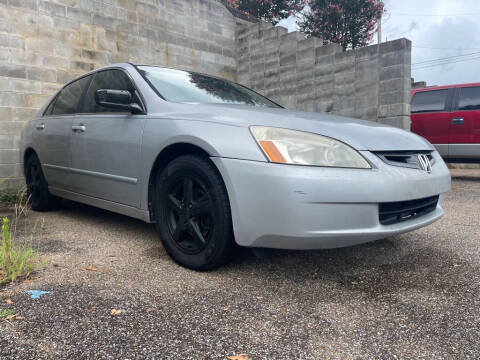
(40, 197)
(193, 214)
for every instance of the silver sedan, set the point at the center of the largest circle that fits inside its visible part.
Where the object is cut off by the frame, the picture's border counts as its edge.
(215, 165)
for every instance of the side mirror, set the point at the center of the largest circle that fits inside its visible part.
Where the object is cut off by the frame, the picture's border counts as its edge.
(117, 99)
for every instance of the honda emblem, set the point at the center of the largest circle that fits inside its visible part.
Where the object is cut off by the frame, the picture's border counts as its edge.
(425, 163)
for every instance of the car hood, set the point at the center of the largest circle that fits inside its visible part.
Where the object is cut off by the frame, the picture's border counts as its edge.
(360, 134)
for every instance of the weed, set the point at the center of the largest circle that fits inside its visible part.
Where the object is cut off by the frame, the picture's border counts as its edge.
(12, 196)
(17, 261)
(5, 314)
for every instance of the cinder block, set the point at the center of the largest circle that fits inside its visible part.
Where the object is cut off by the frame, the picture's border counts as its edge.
(394, 72)
(41, 74)
(8, 142)
(11, 70)
(9, 171)
(25, 86)
(324, 106)
(27, 4)
(9, 156)
(402, 122)
(327, 50)
(51, 8)
(392, 110)
(76, 65)
(12, 99)
(11, 41)
(398, 84)
(44, 46)
(394, 98)
(395, 45)
(11, 127)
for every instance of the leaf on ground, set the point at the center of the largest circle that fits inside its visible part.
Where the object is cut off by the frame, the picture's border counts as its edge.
(95, 268)
(116, 312)
(238, 357)
(9, 301)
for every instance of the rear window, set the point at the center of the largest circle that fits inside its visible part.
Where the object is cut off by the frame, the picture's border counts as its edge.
(469, 98)
(67, 101)
(428, 101)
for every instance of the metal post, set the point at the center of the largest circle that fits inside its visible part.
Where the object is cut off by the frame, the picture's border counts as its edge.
(379, 28)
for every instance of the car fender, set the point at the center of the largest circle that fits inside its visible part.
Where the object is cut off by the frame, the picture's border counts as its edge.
(216, 139)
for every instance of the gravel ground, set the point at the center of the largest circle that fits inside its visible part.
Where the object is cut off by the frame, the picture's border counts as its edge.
(414, 296)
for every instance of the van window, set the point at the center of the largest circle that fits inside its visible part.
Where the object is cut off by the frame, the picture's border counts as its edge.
(428, 101)
(67, 101)
(469, 98)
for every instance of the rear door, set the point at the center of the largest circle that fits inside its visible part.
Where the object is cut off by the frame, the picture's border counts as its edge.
(52, 134)
(106, 144)
(465, 122)
(431, 116)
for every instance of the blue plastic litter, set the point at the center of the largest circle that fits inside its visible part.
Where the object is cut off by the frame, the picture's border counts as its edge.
(35, 294)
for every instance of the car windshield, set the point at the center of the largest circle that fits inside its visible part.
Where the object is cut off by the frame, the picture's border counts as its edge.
(188, 87)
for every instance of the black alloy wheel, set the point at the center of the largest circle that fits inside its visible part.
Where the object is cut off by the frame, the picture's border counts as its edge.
(193, 213)
(191, 218)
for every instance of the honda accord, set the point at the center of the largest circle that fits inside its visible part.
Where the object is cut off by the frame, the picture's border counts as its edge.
(215, 165)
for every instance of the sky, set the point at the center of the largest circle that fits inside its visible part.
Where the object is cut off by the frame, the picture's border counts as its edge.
(438, 29)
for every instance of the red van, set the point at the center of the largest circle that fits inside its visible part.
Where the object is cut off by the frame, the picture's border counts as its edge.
(449, 117)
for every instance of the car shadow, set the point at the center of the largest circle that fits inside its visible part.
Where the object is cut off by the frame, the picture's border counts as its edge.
(401, 263)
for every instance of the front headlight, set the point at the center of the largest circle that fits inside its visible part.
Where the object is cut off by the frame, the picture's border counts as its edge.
(303, 148)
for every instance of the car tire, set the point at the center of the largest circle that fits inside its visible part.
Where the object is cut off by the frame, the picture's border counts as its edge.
(40, 197)
(192, 213)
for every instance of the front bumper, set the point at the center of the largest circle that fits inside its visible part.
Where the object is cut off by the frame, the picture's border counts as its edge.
(303, 207)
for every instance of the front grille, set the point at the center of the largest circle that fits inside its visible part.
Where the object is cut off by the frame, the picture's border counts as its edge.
(395, 212)
(408, 159)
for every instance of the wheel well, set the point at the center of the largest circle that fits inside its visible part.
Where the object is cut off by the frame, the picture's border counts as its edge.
(168, 154)
(29, 152)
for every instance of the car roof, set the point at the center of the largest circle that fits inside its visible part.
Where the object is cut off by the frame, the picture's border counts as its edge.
(443, 87)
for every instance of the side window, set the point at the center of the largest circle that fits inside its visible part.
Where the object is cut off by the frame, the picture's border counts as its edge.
(67, 100)
(108, 79)
(48, 110)
(429, 101)
(469, 98)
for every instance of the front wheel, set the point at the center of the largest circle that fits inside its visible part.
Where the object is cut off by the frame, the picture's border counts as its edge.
(193, 214)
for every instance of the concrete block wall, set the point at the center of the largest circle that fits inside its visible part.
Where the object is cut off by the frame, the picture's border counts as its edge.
(371, 83)
(45, 43)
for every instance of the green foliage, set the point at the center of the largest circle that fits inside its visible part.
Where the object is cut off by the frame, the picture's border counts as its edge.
(350, 23)
(12, 196)
(15, 261)
(268, 10)
(5, 314)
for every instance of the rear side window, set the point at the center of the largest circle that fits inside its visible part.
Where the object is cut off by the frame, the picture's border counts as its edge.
(108, 79)
(49, 109)
(469, 98)
(67, 101)
(429, 101)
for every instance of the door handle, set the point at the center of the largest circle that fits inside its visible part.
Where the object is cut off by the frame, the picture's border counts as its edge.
(79, 128)
(457, 121)
(40, 126)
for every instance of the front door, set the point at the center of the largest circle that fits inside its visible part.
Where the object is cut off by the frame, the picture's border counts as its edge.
(465, 122)
(106, 144)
